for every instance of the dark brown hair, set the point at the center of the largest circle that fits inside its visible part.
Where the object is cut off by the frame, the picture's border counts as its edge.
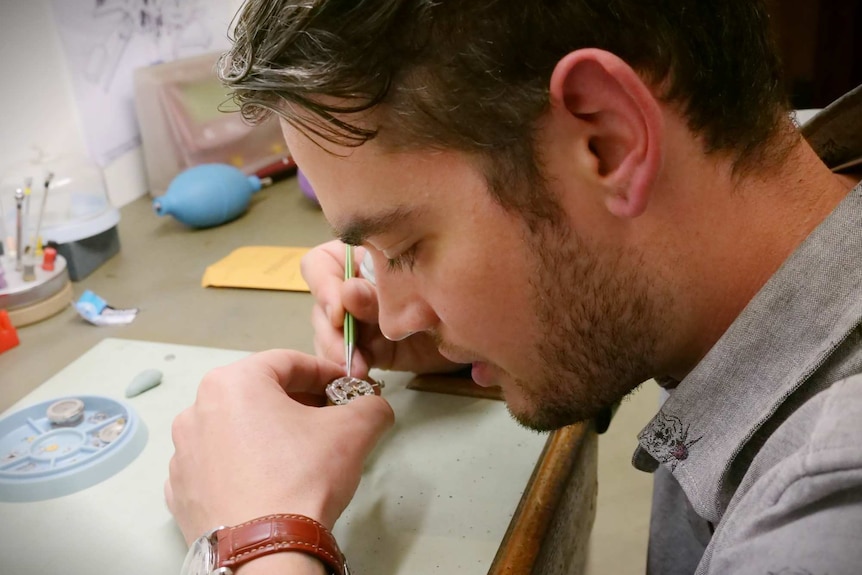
(473, 75)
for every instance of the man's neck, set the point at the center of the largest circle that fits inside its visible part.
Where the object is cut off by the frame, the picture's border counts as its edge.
(737, 237)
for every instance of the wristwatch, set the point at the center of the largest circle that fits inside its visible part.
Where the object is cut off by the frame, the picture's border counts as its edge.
(222, 550)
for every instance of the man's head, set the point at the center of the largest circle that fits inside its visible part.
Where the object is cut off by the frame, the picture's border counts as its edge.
(504, 149)
(474, 76)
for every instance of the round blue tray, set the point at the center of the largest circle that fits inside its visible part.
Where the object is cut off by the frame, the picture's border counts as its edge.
(40, 460)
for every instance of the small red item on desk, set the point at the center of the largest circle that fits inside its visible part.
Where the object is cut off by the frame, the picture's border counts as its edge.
(277, 170)
(48, 259)
(8, 335)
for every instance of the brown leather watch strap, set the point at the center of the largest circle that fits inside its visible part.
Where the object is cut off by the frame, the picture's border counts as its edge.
(275, 533)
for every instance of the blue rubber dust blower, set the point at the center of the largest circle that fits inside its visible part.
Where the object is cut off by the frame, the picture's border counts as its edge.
(208, 195)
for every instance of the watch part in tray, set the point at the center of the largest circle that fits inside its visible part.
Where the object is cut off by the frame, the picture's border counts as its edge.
(66, 412)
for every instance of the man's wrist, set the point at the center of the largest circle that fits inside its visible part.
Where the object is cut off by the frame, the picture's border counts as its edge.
(300, 540)
(277, 534)
(289, 562)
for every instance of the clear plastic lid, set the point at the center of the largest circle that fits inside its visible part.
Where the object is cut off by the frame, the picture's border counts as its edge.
(65, 199)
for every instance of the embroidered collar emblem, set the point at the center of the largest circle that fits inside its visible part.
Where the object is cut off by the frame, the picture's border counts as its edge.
(667, 439)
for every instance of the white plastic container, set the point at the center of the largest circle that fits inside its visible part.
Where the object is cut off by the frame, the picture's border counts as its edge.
(76, 216)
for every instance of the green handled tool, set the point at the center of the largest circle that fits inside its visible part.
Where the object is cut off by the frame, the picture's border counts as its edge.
(349, 322)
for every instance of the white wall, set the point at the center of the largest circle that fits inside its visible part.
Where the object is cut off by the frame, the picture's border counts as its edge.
(37, 105)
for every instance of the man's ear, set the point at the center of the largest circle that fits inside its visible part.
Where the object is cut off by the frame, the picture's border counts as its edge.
(623, 123)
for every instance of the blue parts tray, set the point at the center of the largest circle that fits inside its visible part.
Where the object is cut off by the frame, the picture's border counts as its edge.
(65, 445)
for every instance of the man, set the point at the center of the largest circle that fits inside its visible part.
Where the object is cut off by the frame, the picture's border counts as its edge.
(572, 197)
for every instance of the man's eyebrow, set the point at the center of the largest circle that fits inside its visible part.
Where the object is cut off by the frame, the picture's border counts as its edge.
(360, 229)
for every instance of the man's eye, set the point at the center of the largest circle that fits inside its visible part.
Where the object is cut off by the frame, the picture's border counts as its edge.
(406, 259)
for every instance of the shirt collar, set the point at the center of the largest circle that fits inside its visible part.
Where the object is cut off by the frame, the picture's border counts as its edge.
(836, 132)
(787, 330)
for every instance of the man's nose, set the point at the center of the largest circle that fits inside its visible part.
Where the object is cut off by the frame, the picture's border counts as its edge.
(403, 310)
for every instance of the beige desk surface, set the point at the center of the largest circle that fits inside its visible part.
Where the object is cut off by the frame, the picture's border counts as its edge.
(158, 270)
(436, 496)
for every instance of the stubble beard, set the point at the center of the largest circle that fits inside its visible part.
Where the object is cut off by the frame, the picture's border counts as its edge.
(601, 323)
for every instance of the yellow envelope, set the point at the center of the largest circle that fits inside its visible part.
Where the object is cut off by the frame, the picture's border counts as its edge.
(258, 267)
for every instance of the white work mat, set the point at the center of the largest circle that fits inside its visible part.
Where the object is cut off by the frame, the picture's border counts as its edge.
(436, 496)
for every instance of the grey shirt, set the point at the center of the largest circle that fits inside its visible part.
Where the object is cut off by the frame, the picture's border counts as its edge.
(760, 446)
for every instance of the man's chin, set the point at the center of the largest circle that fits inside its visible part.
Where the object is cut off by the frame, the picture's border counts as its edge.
(546, 416)
(529, 415)
(537, 422)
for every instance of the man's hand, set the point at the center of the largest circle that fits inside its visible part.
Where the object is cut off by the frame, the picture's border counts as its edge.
(247, 449)
(323, 270)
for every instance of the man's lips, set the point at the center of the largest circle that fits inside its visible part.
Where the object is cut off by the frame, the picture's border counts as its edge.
(455, 358)
(482, 373)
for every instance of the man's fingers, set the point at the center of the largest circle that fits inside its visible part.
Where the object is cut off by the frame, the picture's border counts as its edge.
(293, 371)
(323, 270)
(373, 414)
(323, 261)
(169, 496)
(359, 297)
(309, 399)
(298, 372)
(329, 344)
(324, 330)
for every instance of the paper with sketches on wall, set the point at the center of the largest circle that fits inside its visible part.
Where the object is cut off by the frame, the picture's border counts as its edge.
(105, 40)
(258, 267)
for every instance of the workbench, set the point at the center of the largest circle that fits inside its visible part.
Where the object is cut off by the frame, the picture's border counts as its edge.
(539, 521)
